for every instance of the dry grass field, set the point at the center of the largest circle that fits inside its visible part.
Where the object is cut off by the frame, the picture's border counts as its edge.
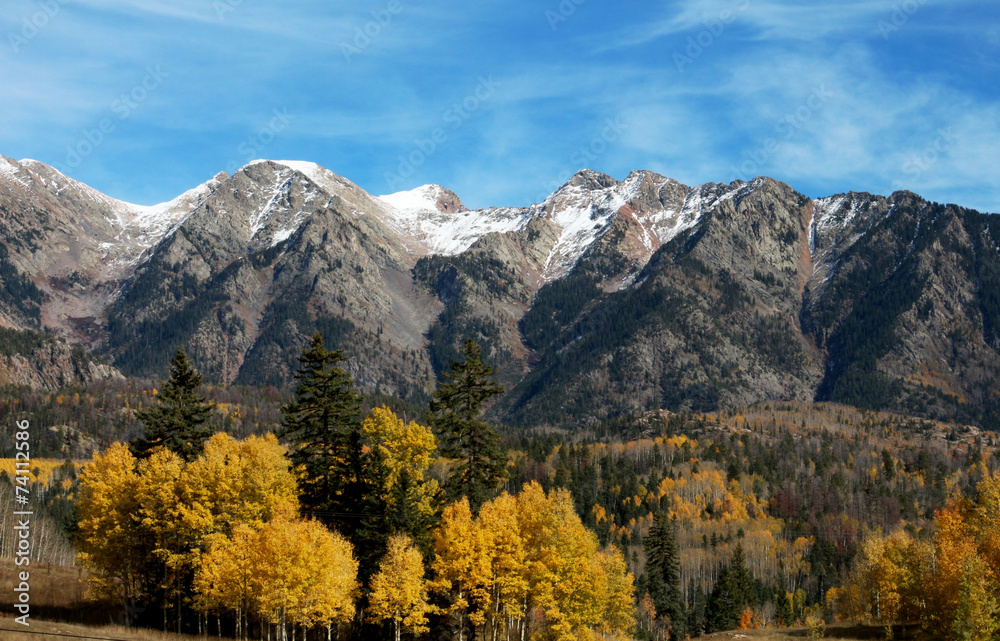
(834, 632)
(52, 586)
(50, 631)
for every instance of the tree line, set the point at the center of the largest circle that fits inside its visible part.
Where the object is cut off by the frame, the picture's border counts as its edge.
(362, 525)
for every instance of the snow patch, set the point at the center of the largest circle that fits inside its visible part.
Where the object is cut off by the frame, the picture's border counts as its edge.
(415, 213)
(415, 201)
(10, 170)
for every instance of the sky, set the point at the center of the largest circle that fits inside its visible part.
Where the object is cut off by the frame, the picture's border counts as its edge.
(502, 101)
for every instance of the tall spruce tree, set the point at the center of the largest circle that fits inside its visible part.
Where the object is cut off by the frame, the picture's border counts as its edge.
(179, 420)
(734, 591)
(663, 571)
(458, 402)
(340, 481)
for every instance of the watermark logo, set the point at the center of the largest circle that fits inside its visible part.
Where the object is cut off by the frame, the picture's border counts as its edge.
(562, 13)
(901, 14)
(123, 107)
(586, 155)
(22, 518)
(367, 34)
(257, 142)
(225, 7)
(785, 129)
(32, 25)
(918, 163)
(454, 116)
(713, 30)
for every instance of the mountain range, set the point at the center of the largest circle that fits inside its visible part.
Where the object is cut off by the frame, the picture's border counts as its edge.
(609, 297)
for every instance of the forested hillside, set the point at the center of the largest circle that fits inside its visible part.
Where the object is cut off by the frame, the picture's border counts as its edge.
(771, 515)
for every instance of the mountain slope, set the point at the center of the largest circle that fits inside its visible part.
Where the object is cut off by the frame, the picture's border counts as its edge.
(608, 297)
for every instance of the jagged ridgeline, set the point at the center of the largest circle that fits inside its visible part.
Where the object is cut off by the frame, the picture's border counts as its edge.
(609, 297)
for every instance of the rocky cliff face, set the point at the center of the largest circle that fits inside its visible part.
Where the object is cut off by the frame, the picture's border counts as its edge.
(610, 296)
(42, 362)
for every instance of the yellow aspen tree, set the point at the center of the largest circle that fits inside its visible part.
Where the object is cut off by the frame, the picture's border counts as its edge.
(174, 539)
(977, 613)
(618, 617)
(407, 451)
(461, 571)
(986, 521)
(281, 572)
(225, 580)
(112, 545)
(398, 589)
(560, 562)
(331, 581)
(953, 550)
(234, 482)
(503, 548)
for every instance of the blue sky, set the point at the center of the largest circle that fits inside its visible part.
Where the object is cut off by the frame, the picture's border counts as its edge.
(503, 101)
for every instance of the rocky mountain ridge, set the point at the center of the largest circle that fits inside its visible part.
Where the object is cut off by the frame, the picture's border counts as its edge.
(607, 297)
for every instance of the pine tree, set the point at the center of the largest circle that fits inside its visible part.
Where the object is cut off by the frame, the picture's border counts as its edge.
(722, 611)
(178, 420)
(323, 425)
(745, 585)
(734, 590)
(458, 403)
(663, 569)
(341, 481)
(784, 613)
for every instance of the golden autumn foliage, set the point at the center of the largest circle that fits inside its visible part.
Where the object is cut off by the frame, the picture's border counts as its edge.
(289, 570)
(111, 542)
(459, 566)
(407, 451)
(305, 574)
(951, 583)
(41, 470)
(528, 564)
(398, 589)
(144, 524)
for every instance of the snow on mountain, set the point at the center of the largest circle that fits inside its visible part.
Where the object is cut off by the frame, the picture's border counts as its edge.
(429, 219)
(582, 213)
(832, 216)
(415, 201)
(10, 170)
(324, 178)
(586, 206)
(418, 213)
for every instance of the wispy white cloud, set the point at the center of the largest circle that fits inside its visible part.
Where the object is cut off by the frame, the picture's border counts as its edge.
(556, 90)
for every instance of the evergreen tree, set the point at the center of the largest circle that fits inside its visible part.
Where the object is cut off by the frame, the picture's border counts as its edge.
(784, 612)
(342, 478)
(734, 591)
(663, 568)
(178, 420)
(696, 610)
(323, 424)
(746, 587)
(722, 611)
(459, 400)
